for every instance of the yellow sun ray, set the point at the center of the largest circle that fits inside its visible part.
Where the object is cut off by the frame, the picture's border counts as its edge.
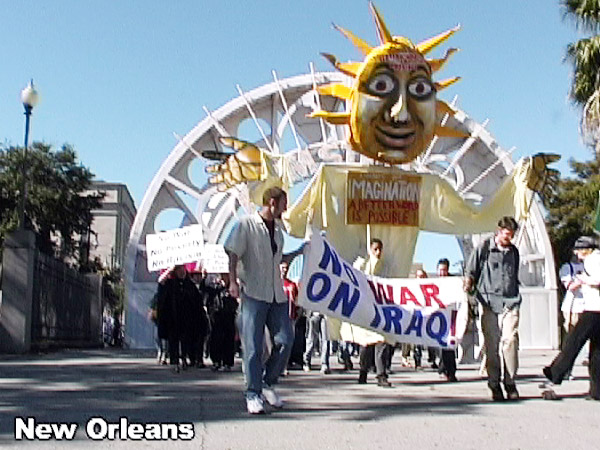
(337, 90)
(440, 85)
(358, 42)
(334, 118)
(437, 64)
(444, 108)
(350, 68)
(429, 44)
(383, 33)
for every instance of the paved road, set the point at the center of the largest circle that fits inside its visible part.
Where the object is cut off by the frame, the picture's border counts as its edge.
(322, 411)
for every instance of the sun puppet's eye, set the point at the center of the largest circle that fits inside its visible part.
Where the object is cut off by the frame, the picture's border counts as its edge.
(420, 88)
(382, 84)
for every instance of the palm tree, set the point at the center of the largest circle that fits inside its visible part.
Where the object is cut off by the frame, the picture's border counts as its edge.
(585, 57)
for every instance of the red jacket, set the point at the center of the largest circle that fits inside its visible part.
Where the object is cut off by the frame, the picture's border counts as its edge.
(291, 290)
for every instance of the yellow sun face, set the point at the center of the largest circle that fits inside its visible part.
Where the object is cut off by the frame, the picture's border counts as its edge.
(394, 112)
(393, 105)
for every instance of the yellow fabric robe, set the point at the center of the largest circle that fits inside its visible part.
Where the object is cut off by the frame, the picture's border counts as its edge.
(322, 206)
(441, 210)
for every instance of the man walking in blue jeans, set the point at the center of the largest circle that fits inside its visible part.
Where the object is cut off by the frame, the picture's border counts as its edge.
(256, 243)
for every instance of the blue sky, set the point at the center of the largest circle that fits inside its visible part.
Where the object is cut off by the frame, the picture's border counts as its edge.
(117, 78)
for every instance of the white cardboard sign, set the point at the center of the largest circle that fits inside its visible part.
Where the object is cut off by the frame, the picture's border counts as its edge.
(174, 247)
(215, 259)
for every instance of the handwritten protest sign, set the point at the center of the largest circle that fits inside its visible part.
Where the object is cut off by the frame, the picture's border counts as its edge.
(430, 312)
(382, 199)
(174, 247)
(215, 259)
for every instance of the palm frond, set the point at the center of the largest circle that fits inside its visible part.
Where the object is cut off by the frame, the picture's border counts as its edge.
(590, 120)
(585, 13)
(585, 57)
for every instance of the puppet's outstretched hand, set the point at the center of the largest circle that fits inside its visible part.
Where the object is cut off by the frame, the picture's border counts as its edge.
(541, 178)
(242, 166)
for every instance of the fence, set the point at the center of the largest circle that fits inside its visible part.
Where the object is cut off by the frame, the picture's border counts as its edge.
(66, 304)
(44, 302)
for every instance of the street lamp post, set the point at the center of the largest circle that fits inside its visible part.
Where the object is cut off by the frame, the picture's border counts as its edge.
(29, 98)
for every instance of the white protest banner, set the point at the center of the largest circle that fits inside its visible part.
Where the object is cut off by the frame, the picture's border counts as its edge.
(215, 259)
(174, 247)
(430, 311)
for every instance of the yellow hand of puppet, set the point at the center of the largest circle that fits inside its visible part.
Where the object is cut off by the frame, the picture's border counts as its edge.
(543, 179)
(246, 164)
(257, 168)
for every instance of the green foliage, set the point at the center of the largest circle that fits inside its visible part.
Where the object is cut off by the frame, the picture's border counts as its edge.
(586, 13)
(584, 55)
(572, 207)
(572, 204)
(113, 290)
(58, 208)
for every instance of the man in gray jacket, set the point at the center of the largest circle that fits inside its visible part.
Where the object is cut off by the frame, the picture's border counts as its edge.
(492, 276)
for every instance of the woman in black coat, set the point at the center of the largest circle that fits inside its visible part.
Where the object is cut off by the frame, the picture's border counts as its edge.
(179, 300)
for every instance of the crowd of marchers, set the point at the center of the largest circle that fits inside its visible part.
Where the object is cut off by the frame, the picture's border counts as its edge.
(194, 316)
(255, 313)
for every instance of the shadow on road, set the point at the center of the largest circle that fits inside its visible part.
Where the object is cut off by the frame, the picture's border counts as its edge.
(73, 386)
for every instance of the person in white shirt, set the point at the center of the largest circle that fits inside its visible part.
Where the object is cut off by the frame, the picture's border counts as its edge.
(256, 243)
(572, 305)
(588, 325)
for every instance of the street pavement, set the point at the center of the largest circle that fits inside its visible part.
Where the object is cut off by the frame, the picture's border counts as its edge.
(332, 411)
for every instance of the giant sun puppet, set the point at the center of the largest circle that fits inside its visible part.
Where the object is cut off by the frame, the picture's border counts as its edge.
(394, 116)
(377, 155)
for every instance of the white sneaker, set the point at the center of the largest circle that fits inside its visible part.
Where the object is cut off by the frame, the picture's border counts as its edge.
(271, 397)
(255, 405)
(325, 370)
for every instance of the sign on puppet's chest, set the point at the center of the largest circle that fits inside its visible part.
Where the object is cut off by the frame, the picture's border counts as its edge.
(382, 199)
